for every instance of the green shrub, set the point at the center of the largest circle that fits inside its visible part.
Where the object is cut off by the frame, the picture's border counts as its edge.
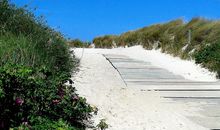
(35, 62)
(102, 125)
(209, 57)
(46, 124)
(34, 92)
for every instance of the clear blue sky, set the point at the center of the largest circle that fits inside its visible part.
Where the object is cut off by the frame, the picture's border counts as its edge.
(86, 19)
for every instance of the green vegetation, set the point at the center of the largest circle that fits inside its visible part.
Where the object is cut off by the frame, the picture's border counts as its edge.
(78, 43)
(45, 124)
(25, 37)
(209, 56)
(105, 41)
(173, 38)
(35, 62)
(33, 93)
(102, 125)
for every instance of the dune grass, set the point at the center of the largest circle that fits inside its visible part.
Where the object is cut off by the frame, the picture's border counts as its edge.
(78, 43)
(35, 62)
(173, 38)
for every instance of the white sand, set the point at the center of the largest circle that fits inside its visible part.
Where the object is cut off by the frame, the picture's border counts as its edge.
(126, 108)
(188, 69)
(185, 68)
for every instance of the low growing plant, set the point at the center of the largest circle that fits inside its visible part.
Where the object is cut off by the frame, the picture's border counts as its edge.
(209, 57)
(28, 93)
(102, 125)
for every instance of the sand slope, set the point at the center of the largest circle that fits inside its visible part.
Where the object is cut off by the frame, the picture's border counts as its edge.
(125, 108)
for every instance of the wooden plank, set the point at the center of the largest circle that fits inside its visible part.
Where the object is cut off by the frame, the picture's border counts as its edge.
(180, 87)
(190, 94)
(175, 82)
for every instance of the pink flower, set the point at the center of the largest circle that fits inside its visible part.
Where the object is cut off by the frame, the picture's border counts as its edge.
(75, 98)
(56, 101)
(19, 101)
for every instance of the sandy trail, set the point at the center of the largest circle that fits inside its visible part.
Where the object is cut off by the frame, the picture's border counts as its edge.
(126, 108)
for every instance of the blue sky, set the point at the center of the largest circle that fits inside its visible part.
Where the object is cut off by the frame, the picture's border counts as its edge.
(86, 19)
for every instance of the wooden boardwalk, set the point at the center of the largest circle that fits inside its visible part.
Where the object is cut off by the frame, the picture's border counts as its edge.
(146, 77)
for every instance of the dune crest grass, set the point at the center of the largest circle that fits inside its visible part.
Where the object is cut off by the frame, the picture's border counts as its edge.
(196, 39)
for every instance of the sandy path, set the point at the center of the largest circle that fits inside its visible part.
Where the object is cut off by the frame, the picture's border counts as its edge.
(126, 108)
